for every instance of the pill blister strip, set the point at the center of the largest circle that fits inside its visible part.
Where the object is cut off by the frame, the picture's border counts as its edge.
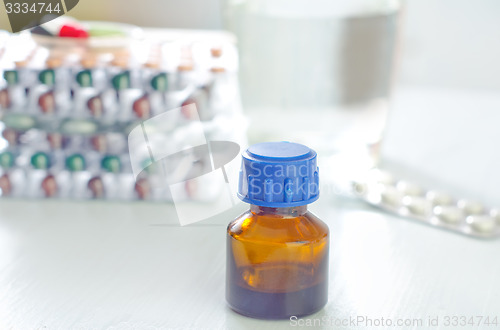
(440, 209)
(75, 147)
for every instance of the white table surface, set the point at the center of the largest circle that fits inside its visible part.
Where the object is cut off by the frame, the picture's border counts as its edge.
(95, 265)
(70, 265)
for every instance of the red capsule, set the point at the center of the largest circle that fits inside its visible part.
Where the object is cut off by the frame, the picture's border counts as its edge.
(99, 143)
(191, 188)
(188, 112)
(11, 136)
(47, 102)
(143, 188)
(142, 107)
(96, 186)
(55, 140)
(95, 106)
(5, 99)
(71, 31)
(49, 186)
(5, 185)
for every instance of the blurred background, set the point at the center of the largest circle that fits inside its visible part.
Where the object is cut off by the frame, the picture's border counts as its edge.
(342, 76)
(346, 75)
(434, 34)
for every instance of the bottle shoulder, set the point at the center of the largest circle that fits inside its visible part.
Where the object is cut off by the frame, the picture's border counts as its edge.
(274, 228)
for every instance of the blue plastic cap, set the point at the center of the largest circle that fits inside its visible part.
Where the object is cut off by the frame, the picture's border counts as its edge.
(279, 174)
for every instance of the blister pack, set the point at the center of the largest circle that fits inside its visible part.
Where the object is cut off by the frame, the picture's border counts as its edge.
(66, 115)
(436, 208)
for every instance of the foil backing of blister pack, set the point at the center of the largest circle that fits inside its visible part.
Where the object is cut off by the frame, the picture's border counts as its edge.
(435, 208)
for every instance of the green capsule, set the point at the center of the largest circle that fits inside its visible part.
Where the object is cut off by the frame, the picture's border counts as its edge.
(11, 76)
(75, 163)
(121, 81)
(6, 160)
(159, 82)
(19, 121)
(111, 164)
(84, 78)
(47, 77)
(40, 161)
(79, 126)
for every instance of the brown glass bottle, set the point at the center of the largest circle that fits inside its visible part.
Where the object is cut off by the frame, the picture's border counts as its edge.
(277, 262)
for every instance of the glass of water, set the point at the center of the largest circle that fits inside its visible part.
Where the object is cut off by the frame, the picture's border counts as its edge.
(318, 72)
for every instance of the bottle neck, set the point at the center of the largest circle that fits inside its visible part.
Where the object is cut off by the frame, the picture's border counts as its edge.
(291, 212)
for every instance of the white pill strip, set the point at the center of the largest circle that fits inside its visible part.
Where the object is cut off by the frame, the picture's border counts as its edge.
(440, 209)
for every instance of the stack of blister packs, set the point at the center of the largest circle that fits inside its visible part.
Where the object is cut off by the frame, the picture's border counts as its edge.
(68, 117)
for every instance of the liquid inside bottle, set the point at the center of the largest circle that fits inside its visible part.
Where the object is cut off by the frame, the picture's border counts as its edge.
(277, 262)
